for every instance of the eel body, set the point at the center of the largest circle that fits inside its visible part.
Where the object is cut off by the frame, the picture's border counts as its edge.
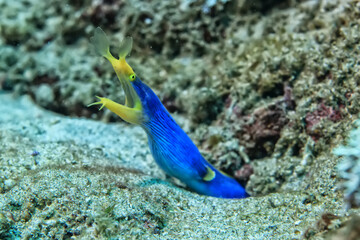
(170, 146)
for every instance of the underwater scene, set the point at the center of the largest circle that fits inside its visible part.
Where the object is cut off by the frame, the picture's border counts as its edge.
(208, 119)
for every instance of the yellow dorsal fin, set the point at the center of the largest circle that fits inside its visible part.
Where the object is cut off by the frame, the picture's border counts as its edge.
(210, 174)
(225, 174)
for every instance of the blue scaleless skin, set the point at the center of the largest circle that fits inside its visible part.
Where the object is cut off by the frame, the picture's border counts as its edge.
(171, 148)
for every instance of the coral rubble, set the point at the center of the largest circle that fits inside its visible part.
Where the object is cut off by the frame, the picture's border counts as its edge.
(349, 166)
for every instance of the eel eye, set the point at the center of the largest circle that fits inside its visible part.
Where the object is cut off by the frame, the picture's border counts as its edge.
(132, 77)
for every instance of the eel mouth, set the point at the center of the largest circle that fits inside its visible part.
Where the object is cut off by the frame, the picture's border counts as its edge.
(131, 97)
